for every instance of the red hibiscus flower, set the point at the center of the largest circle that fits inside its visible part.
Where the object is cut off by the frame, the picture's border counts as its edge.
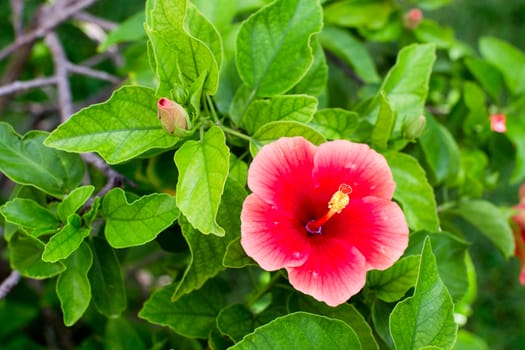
(519, 232)
(323, 213)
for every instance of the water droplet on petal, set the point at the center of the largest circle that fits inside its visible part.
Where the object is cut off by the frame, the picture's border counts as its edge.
(315, 274)
(352, 166)
(373, 187)
(276, 223)
(297, 255)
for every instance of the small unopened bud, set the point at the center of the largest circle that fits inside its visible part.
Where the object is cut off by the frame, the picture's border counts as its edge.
(498, 123)
(171, 115)
(412, 19)
(414, 128)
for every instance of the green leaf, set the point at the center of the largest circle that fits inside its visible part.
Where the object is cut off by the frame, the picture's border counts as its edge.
(193, 315)
(25, 252)
(334, 123)
(484, 218)
(309, 332)
(73, 288)
(120, 335)
(515, 132)
(131, 29)
(63, 243)
(314, 82)
(15, 315)
(298, 108)
(351, 51)
(427, 317)
(450, 252)
(509, 60)
(413, 192)
(272, 131)
(362, 14)
(30, 215)
(203, 168)
(406, 84)
(429, 31)
(207, 251)
(203, 30)
(469, 341)
(344, 312)
(119, 129)
(138, 222)
(487, 75)
(441, 152)
(221, 14)
(107, 284)
(383, 125)
(25, 160)
(74, 201)
(392, 284)
(235, 256)
(273, 52)
(180, 58)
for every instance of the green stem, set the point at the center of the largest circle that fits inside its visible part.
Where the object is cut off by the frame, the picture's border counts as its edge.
(211, 109)
(235, 133)
(265, 289)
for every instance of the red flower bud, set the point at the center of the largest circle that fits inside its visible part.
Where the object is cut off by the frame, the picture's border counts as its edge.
(412, 19)
(498, 123)
(171, 115)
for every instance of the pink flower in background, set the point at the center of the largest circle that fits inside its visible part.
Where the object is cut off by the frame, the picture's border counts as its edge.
(324, 214)
(498, 123)
(519, 232)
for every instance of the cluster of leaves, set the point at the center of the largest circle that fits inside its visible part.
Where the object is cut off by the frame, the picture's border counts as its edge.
(248, 73)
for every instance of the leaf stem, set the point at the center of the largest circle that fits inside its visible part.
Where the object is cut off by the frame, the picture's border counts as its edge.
(235, 133)
(264, 290)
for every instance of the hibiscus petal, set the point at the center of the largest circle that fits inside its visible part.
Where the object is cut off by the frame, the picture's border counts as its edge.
(354, 164)
(270, 238)
(333, 273)
(280, 174)
(375, 226)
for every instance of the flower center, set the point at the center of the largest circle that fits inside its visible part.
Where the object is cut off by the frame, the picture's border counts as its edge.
(337, 203)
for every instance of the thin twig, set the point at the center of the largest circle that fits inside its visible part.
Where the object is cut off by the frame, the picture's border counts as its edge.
(17, 9)
(20, 86)
(93, 73)
(60, 61)
(50, 18)
(9, 283)
(101, 22)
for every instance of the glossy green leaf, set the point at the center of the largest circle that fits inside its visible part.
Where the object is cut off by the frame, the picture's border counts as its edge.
(334, 123)
(119, 129)
(487, 75)
(203, 168)
(515, 132)
(25, 252)
(120, 335)
(392, 284)
(351, 51)
(508, 59)
(450, 252)
(477, 119)
(344, 312)
(25, 160)
(351, 13)
(30, 215)
(273, 51)
(432, 4)
(413, 192)
(180, 58)
(63, 243)
(406, 84)
(139, 222)
(74, 201)
(309, 332)
(485, 218)
(236, 321)
(201, 28)
(219, 13)
(314, 81)
(441, 152)
(235, 256)
(429, 31)
(298, 108)
(193, 315)
(73, 288)
(469, 341)
(107, 284)
(383, 125)
(272, 131)
(427, 317)
(207, 251)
